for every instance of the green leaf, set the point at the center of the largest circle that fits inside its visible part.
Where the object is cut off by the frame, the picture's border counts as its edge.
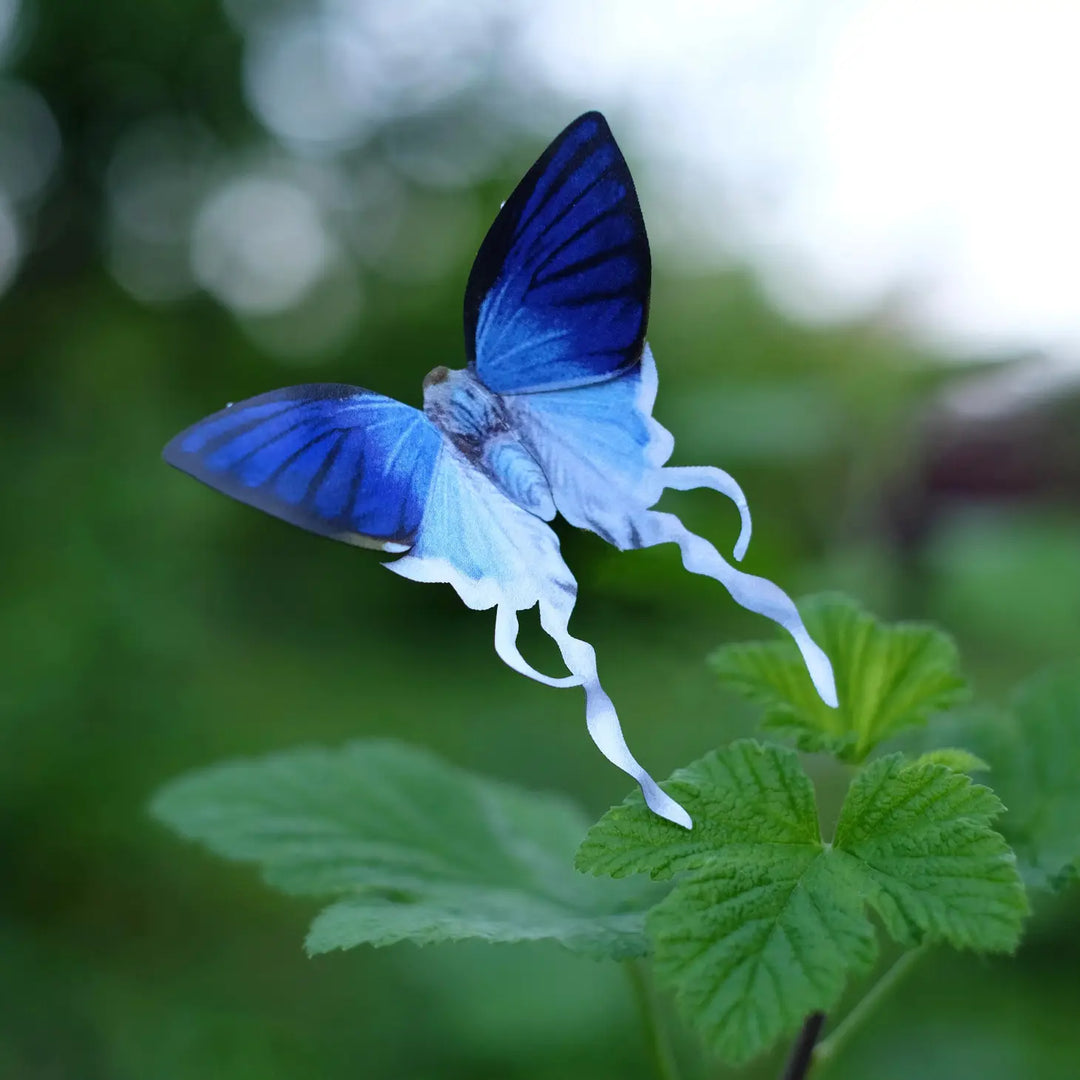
(1040, 781)
(744, 796)
(888, 678)
(953, 757)
(411, 847)
(1034, 751)
(764, 927)
(765, 922)
(752, 946)
(935, 869)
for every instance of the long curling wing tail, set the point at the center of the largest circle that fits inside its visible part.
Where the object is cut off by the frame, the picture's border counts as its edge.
(753, 593)
(600, 716)
(495, 554)
(506, 631)
(689, 477)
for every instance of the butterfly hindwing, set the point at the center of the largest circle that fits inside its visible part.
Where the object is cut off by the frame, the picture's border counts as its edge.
(335, 460)
(599, 448)
(559, 292)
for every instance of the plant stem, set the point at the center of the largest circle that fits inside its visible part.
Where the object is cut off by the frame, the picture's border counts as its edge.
(802, 1053)
(830, 1046)
(667, 1067)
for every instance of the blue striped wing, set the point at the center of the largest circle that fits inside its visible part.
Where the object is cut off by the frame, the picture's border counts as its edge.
(335, 460)
(559, 293)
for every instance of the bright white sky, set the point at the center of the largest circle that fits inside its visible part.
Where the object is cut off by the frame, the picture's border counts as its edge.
(924, 153)
(926, 150)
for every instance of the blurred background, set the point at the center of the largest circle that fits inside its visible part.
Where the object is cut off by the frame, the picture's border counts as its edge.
(864, 227)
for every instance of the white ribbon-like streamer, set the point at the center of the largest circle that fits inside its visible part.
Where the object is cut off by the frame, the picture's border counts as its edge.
(600, 716)
(506, 632)
(756, 594)
(689, 477)
(652, 527)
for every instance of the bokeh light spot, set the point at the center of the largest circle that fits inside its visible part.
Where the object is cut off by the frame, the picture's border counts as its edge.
(9, 14)
(311, 80)
(259, 244)
(29, 141)
(10, 245)
(155, 183)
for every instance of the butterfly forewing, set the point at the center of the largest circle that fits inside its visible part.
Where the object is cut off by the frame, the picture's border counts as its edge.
(335, 460)
(559, 293)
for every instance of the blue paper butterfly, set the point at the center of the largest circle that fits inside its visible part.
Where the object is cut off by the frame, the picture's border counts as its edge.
(551, 415)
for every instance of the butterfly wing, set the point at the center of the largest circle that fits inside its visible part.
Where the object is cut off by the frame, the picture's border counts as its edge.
(603, 455)
(490, 549)
(599, 448)
(335, 460)
(559, 293)
(497, 554)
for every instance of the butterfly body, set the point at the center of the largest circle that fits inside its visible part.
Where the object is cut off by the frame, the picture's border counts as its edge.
(553, 414)
(477, 423)
(465, 410)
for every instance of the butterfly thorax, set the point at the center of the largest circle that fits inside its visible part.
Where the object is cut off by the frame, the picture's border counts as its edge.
(477, 424)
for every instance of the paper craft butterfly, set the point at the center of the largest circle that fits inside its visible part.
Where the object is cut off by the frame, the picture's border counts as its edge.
(551, 415)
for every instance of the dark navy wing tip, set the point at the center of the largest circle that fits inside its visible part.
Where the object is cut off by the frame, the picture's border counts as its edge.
(593, 116)
(541, 226)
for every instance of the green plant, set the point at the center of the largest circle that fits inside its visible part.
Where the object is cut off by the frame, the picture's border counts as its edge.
(756, 919)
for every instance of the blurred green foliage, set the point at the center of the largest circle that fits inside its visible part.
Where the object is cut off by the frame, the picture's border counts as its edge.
(150, 626)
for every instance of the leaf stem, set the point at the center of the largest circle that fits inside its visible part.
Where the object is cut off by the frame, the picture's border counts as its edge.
(832, 1044)
(667, 1068)
(802, 1053)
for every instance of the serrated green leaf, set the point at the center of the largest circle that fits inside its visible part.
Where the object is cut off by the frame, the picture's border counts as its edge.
(744, 797)
(936, 868)
(1033, 748)
(888, 677)
(752, 945)
(953, 757)
(476, 914)
(762, 927)
(413, 848)
(765, 923)
(1040, 780)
